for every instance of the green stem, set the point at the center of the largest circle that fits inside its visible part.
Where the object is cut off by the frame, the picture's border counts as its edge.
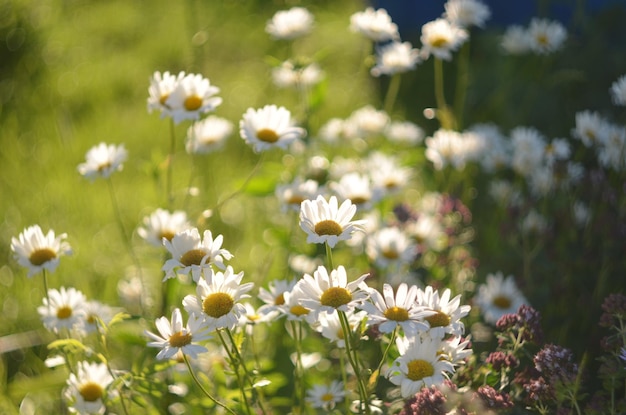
(243, 185)
(385, 353)
(203, 389)
(461, 83)
(392, 93)
(235, 365)
(170, 162)
(296, 328)
(445, 116)
(45, 287)
(354, 361)
(329, 257)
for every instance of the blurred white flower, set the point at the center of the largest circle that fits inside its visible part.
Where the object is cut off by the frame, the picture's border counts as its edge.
(87, 388)
(208, 135)
(326, 396)
(498, 296)
(404, 132)
(193, 96)
(163, 224)
(395, 57)
(269, 127)
(440, 38)
(161, 86)
(37, 252)
(102, 160)
(466, 13)
(291, 195)
(591, 128)
(64, 308)
(618, 91)
(291, 75)
(515, 40)
(390, 247)
(546, 36)
(358, 189)
(376, 25)
(290, 24)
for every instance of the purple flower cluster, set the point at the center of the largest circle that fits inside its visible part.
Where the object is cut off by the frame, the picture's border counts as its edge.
(428, 401)
(499, 360)
(613, 306)
(527, 320)
(556, 363)
(493, 399)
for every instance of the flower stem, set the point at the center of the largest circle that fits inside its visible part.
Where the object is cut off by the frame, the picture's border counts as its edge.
(243, 185)
(329, 256)
(385, 353)
(392, 93)
(445, 116)
(461, 83)
(203, 389)
(170, 162)
(235, 365)
(354, 361)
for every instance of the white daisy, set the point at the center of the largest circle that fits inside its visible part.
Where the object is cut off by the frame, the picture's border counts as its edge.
(528, 146)
(618, 91)
(161, 86)
(448, 312)
(466, 13)
(428, 232)
(300, 76)
(208, 135)
(63, 309)
(96, 313)
(534, 222)
(269, 127)
(440, 38)
(290, 24)
(446, 148)
(291, 195)
(163, 224)
(368, 122)
(612, 152)
(324, 292)
(591, 128)
(395, 57)
(455, 350)
(36, 251)
(515, 40)
(177, 337)
(293, 308)
(329, 325)
(102, 160)
(86, 389)
(386, 173)
(217, 298)
(419, 365)
(495, 148)
(389, 311)
(376, 25)
(131, 292)
(546, 36)
(190, 253)
(274, 296)
(326, 222)
(193, 96)
(498, 296)
(326, 396)
(390, 246)
(404, 132)
(358, 189)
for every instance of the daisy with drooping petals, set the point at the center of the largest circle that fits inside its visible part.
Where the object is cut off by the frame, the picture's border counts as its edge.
(176, 337)
(161, 86)
(217, 297)
(376, 25)
(440, 38)
(208, 135)
(36, 251)
(87, 388)
(326, 222)
(269, 127)
(190, 253)
(193, 96)
(102, 160)
(290, 24)
(448, 312)
(618, 91)
(327, 292)
(395, 57)
(63, 309)
(163, 224)
(466, 13)
(326, 396)
(401, 310)
(419, 365)
(498, 296)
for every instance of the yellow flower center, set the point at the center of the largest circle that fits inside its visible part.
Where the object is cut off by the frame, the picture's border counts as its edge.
(502, 301)
(439, 42)
(397, 314)
(64, 312)
(167, 234)
(391, 184)
(298, 310)
(180, 339)
(217, 304)
(390, 254)
(163, 98)
(280, 299)
(419, 369)
(439, 319)
(267, 135)
(193, 257)
(102, 167)
(328, 397)
(295, 200)
(192, 103)
(359, 200)
(336, 297)
(542, 39)
(328, 227)
(91, 391)
(41, 256)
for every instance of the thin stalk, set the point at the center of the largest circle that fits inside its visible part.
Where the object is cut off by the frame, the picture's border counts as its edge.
(243, 185)
(170, 162)
(344, 378)
(462, 81)
(101, 329)
(385, 353)
(296, 328)
(392, 93)
(45, 286)
(329, 256)
(235, 364)
(203, 389)
(354, 361)
(446, 118)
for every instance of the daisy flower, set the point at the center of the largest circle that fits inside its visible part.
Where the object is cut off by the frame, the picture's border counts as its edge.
(440, 38)
(329, 292)
(376, 25)
(390, 246)
(163, 224)
(86, 389)
(161, 86)
(269, 127)
(448, 312)
(174, 336)
(358, 189)
(395, 57)
(329, 325)
(102, 160)
(387, 174)
(96, 313)
(419, 365)
(401, 310)
(300, 76)
(63, 309)
(591, 128)
(193, 96)
(534, 222)
(618, 91)
(292, 195)
(546, 36)
(528, 150)
(293, 308)
(36, 251)
(208, 135)
(498, 296)
(290, 24)
(368, 122)
(428, 232)
(190, 253)
(326, 222)
(404, 132)
(515, 40)
(326, 396)
(274, 296)
(455, 350)
(445, 148)
(217, 296)
(466, 13)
